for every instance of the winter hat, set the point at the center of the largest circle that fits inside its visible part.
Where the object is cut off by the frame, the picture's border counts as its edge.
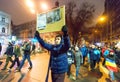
(111, 52)
(76, 48)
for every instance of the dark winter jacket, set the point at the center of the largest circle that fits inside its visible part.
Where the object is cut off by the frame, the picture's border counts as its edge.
(84, 50)
(94, 54)
(17, 51)
(9, 50)
(26, 49)
(58, 59)
(117, 52)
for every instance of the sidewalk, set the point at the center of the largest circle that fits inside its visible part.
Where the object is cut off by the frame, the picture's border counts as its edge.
(36, 74)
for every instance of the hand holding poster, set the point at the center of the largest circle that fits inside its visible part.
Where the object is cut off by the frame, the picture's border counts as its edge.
(51, 21)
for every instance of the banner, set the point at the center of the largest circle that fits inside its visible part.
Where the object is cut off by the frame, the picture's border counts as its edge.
(51, 21)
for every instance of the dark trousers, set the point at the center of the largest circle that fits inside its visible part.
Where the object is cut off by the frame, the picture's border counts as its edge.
(15, 60)
(58, 77)
(7, 61)
(84, 59)
(69, 68)
(92, 64)
(23, 60)
(103, 63)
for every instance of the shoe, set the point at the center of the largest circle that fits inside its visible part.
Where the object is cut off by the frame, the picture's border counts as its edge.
(3, 69)
(30, 67)
(9, 70)
(18, 70)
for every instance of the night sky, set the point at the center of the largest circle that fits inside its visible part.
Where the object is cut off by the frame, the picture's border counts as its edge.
(20, 13)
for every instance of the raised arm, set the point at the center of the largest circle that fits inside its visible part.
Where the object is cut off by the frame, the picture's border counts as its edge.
(42, 42)
(66, 38)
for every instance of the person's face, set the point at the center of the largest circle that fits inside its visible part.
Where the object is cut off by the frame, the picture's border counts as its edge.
(57, 40)
(76, 48)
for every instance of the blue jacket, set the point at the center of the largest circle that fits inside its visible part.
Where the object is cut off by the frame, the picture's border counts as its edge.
(58, 59)
(94, 54)
(84, 50)
(106, 53)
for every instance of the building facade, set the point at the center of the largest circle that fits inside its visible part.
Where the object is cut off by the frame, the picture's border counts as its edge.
(25, 30)
(112, 12)
(5, 30)
(5, 26)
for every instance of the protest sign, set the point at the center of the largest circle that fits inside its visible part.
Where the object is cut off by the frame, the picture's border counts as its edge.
(51, 21)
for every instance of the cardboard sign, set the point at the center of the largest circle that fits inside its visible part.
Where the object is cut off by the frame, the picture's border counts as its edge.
(51, 21)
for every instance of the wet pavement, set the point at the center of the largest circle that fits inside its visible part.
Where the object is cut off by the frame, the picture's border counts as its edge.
(39, 70)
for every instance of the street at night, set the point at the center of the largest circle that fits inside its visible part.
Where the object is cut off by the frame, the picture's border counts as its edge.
(59, 40)
(39, 70)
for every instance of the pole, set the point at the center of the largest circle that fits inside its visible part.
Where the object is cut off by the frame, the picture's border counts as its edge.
(101, 35)
(110, 31)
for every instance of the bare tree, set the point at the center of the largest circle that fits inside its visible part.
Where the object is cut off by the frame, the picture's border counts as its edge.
(78, 18)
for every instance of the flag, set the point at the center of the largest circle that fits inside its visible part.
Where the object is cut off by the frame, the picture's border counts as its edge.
(111, 65)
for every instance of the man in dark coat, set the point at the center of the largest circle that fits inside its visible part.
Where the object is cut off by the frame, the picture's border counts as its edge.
(58, 56)
(94, 55)
(9, 53)
(26, 50)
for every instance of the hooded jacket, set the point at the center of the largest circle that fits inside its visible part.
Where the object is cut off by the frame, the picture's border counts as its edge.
(84, 50)
(94, 54)
(9, 50)
(58, 56)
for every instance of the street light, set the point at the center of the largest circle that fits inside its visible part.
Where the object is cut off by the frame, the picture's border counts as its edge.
(30, 3)
(102, 20)
(34, 8)
(44, 6)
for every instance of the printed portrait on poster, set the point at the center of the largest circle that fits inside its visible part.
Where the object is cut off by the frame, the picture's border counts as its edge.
(51, 21)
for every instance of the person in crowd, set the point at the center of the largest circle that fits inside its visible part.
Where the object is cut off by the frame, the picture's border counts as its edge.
(9, 53)
(105, 54)
(84, 51)
(78, 60)
(26, 52)
(0, 48)
(105, 51)
(33, 49)
(117, 52)
(58, 57)
(111, 64)
(94, 55)
(16, 54)
(70, 54)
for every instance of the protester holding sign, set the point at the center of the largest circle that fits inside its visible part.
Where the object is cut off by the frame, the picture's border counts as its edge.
(58, 57)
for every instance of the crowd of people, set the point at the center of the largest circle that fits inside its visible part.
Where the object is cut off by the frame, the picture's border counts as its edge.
(93, 55)
(63, 54)
(15, 51)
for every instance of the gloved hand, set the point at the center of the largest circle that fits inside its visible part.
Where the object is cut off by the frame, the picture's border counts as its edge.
(37, 34)
(64, 30)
